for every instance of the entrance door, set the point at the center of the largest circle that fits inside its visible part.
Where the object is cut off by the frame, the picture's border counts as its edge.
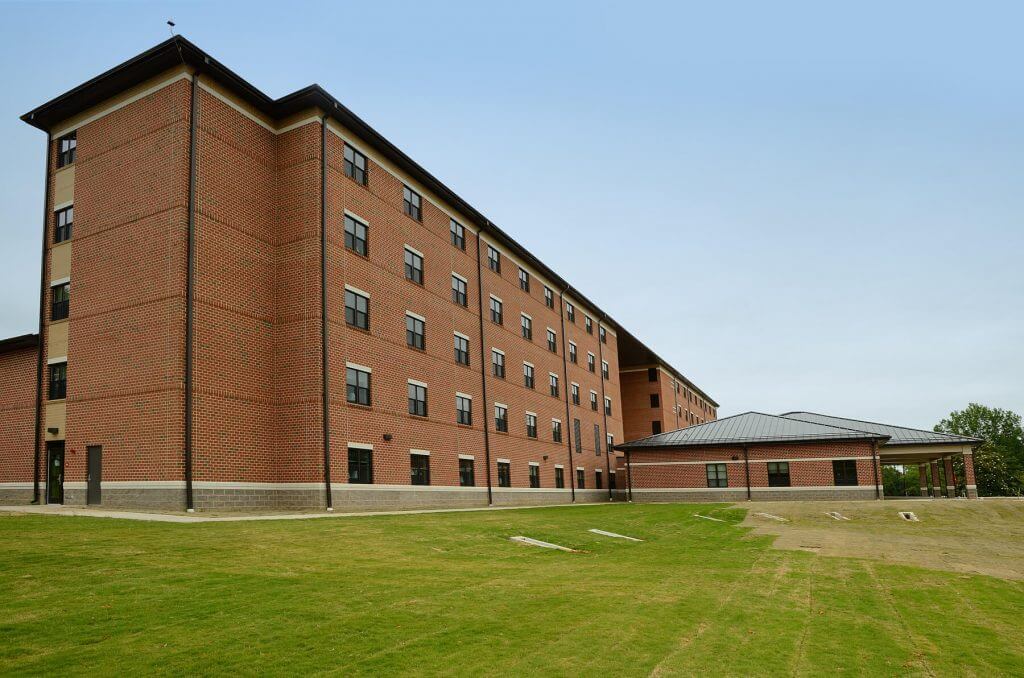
(55, 473)
(94, 464)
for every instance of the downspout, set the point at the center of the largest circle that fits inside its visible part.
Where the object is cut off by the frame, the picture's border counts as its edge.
(42, 319)
(324, 364)
(874, 467)
(190, 286)
(746, 466)
(629, 478)
(675, 399)
(608, 452)
(566, 387)
(483, 369)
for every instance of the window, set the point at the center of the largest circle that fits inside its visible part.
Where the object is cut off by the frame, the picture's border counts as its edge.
(355, 236)
(604, 335)
(655, 427)
(493, 259)
(597, 479)
(604, 369)
(556, 431)
(552, 345)
(524, 280)
(588, 324)
(652, 374)
(467, 472)
(559, 477)
(597, 440)
(591, 362)
(553, 383)
(608, 406)
(531, 425)
(497, 363)
(581, 479)
(575, 391)
(572, 353)
(463, 410)
(500, 418)
(576, 435)
(60, 298)
(611, 480)
(504, 474)
(655, 400)
(497, 315)
(845, 471)
(461, 350)
(458, 232)
(58, 381)
(357, 310)
(66, 147)
(419, 469)
(534, 475)
(411, 203)
(527, 375)
(778, 474)
(717, 475)
(63, 219)
(610, 441)
(593, 400)
(417, 399)
(459, 290)
(570, 312)
(355, 165)
(415, 332)
(360, 466)
(526, 324)
(549, 297)
(358, 385)
(413, 266)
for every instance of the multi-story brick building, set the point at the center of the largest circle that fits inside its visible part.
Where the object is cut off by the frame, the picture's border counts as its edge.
(275, 306)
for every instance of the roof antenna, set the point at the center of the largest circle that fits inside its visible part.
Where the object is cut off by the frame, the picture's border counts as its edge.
(170, 26)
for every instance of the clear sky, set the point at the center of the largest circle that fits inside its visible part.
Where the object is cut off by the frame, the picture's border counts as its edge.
(800, 205)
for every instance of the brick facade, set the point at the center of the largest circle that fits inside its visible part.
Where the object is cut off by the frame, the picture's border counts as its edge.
(17, 415)
(678, 404)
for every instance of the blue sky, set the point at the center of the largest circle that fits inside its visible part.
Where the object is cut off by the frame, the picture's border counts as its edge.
(800, 205)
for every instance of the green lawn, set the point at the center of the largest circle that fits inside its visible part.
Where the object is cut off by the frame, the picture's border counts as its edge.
(448, 593)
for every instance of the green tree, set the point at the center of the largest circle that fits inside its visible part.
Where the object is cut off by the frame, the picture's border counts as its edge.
(999, 461)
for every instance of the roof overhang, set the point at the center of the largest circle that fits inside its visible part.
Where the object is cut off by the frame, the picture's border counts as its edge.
(18, 343)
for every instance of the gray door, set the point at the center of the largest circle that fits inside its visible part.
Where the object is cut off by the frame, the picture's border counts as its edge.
(94, 463)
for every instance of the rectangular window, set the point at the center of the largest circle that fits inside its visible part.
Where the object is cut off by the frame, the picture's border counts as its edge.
(58, 381)
(493, 259)
(534, 475)
(461, 350)
(597, 479)
(497, 363)
(524, 280)
(559, 477)
(459, 295)
(655, 400)
(556, 431)
(413, 266)
(597, 440)
(611, 480)
(419, 469)
(356, 236)
(604, 369)
(501, 418)
(549, 297)
(355, 165)
(576, 435)
(552, 341)
(417, 399)
(652, 374)
(655, 427)
(845, 471)
(593, 400)
(60, 297)
(415, 332)
(553, 384)
(572, 352)
(570, 312)
(357, 386)
(778, 474)
(458, 232)
(531, 425)
(464, 410)
(63, 221)
(357, 310)
(717, 475)
(527, 375)
(604, 336)
(575, 392)
(608, 406)
(611, 446)
(467, 473)
(504, 474)
(411, 203)
(588, 324)
(581, 479)
(526, 325)
(66, 147)
(591, 362)
(497, 313)
(360, 466)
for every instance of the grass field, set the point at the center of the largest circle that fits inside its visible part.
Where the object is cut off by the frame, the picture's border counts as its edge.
(448, 593)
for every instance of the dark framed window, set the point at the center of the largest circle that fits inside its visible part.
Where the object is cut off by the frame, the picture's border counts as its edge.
(461, 350)
(604, 369)
(588, 324)
(356, 236)
(360, 466)
(572, 353)
(844, 471)
(60, 298)
(577, 436)
(419, 469)
(357, 310)
(355, 165)
(717, 475)
(593, 400)
(459, 295)
(497, 314)
(611, 480)
(534, 475)
(458, 232)
(655, 427)
(549, 297)
(778, 474)
(527, 375)
(608, 406)
(415, 333)
(652, 374)
(417, 400)
(413, 266)
(504, 474)
(655, 400)
(581, 479)
(597, 440)
(604, 335)
(552, 341)
(610, 442)
(63, 221)
(497, 363)
(597, 479)
(67, 146)
(591, 362)
(501, 418)
(574, 390)
(493, 259)
(524, 280)
(531, 425)
(463, 410)
(556, 431)
(559, 477)
(570, 312)
(553, 384)
(526, 325)
(58, 381)
(357, 386)
(412, 203)
(467, 472)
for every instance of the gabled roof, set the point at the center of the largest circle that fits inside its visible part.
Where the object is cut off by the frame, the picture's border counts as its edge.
(750, 428)
(898, 435)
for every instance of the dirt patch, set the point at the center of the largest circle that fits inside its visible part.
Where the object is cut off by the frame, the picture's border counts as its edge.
(956, 535)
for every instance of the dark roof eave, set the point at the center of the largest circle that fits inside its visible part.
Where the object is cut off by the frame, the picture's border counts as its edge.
(20, 342)
(746, 441)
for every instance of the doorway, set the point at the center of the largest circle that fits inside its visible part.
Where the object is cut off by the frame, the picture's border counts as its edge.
(55, 472)
(94, 473)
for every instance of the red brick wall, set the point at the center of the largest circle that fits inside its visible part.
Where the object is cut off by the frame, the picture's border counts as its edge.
(17, 414)
(676, 409)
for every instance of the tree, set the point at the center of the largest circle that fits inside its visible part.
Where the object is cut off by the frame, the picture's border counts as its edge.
(999, 461)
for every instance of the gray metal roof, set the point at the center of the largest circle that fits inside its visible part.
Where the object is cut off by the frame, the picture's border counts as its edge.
(898, 435)
(750, 427)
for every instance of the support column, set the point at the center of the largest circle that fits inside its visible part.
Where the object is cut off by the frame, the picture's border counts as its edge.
(969, 481)
(922, 478)
(936, 489)
(947, 463)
